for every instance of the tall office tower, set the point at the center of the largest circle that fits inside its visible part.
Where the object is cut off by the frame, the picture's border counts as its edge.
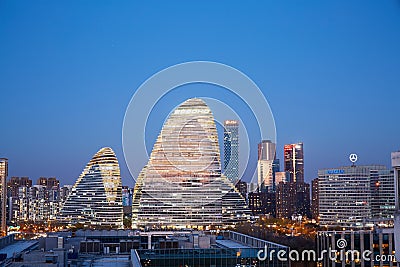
(266, 150)
(293, 196)
(182, 185)
(96, 198)
(294, 162)
(345, 195)
(231, 150)
(3, 194)
(314, 199)
(265, 165)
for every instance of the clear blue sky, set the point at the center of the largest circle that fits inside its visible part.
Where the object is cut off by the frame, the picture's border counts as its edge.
(329, 69)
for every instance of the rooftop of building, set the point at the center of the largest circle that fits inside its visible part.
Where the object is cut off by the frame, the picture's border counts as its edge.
(105, 261)
(230, 244)
(366, 166)
(18, 247)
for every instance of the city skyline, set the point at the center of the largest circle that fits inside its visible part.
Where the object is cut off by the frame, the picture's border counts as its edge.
(210, 133)
(307, 178)
(334, 61)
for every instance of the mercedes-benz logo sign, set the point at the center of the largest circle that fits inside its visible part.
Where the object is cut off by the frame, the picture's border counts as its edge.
(353, 157)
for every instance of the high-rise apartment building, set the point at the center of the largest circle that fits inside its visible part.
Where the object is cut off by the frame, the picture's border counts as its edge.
(182, 185)
(231, 150)
(292, 199)
(16, 182)
(294, 162)
(48, 182)
(262, 203)
(96, 197)
(3, 195)
(34, 203)
(13, 186)
(345, 194)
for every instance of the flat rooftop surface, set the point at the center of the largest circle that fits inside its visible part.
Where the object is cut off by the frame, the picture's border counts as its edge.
(230, 244)
(107, 261)
(17, 247)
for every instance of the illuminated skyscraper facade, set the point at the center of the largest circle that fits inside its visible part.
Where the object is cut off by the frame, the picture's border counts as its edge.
(96, 198)
(231, 150)
(182, 185)
(265, 165)
(294, 162)
(292, 194)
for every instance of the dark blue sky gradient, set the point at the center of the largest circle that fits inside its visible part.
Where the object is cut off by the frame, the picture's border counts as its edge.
(329, 69)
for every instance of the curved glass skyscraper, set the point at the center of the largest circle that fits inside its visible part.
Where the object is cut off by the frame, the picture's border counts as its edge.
(96, 197)
(182, 185)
